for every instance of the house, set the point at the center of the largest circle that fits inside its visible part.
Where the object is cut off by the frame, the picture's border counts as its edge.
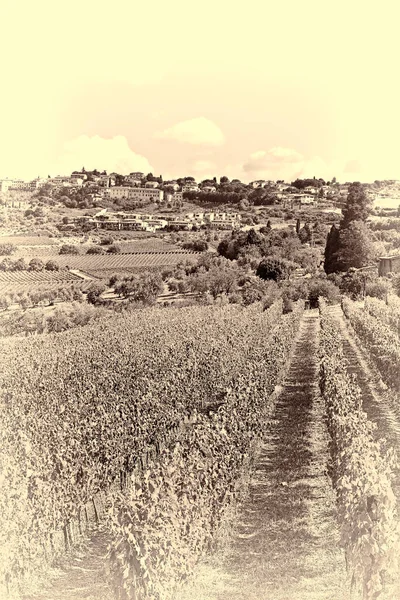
(303, 199)
(224, 223)
(259, 183)
(137, 175)
(172, 184)
(134, 193)
(151, 184)
(310, 189)
(82, 176)
(190, 187)
(388, 264)
(209, 189)
(154, 224)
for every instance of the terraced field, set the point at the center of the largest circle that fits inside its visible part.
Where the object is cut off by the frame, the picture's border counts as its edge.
(105, 265)
(15, 282)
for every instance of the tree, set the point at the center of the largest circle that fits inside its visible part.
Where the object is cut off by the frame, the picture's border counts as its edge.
(224, 179)
(357, 207)
(356, 249)
(51, 265)
(142, 288)
(331, 262)
(275, 268)
(94, 250)
(20, 265)
(36, 264)
(94, 293)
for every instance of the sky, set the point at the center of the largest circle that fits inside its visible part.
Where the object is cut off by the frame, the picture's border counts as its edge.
(252, 90)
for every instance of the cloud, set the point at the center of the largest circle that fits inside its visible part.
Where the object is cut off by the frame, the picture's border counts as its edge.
(289, 164)
(198, 131)
(95, 152)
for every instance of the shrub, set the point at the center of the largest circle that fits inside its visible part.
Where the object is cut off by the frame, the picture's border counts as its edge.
(94, 293)
(51, 265)
(7, 249)
(94, 250)
(114, 249)
(275, 268)
(106, 241)
(69, 249)
(378, 289)
(36, 264)
(325, 289)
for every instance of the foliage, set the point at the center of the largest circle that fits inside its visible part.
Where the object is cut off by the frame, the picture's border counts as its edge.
(301, 184)
(42, 322)
(7, 249)
(357, 207)
(379, 288)
(36, 264)
(114, 249)
(167, 518)
(94, 250)
(94, 292)
(351, 244)
(382, 342)
(69, 249)
(275, 268)
(143, 288)
(356, 247)
(332, 263)
(93, 399)
(361, 473)
(196, 246)
(51, 265)
(386, 312)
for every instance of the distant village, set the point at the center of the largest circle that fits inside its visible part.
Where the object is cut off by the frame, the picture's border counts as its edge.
(140, 190)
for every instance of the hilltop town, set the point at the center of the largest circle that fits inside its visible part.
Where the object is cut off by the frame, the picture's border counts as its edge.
(143, 202)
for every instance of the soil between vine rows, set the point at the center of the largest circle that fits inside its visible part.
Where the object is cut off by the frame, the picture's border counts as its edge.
(285, 545)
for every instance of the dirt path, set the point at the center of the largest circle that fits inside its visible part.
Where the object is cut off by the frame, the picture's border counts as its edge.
(381, 404)
(285, 543)
(81, 575)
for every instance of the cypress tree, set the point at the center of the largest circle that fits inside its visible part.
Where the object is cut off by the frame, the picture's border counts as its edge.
(331, 262)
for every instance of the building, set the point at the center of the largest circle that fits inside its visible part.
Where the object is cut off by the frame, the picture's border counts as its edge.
(310, 189)
(137, 194)
(259, 183)
(136, 175)
(151, 184)
(82, 176)
(209, 189)
(133, 180)
(225, 223)
(389, 264)
(190, 187)
(304, 199)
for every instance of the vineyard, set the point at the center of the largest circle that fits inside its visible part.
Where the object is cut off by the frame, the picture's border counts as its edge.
(15, 282)
(163, 412)
(376, 326)
(98, 265)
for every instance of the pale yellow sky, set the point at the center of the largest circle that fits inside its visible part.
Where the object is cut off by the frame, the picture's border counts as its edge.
(261, 89)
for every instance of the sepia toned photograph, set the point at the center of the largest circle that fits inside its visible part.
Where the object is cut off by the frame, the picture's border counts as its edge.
(199, 300)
